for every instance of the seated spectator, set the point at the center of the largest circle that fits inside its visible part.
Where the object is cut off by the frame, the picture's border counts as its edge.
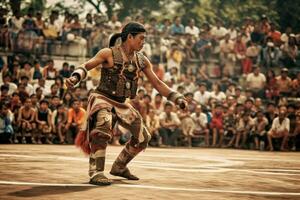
(28, 87)
(12, 87)
(76, 117)
(170, 123)
(272, 91)
(203, 46)
(252, 54)
(202, 95)
(59, 121)
(217, 93)
(284, 83)
(152, 123)
(43, 119)
(158, 104)
(290, 51)
(201, 128)
(270, 55)
(49, 72)
(5, 97)
(65, 72)
(294, 136)
(54, 103)
(216, 125)
(240, 98)
(36, 71)
(256, 82)
(244, 128)
(177, 28)
(280, 129)
(259, 130)
(230, 122)
(6, 129)
(296, 86)
(26, 120)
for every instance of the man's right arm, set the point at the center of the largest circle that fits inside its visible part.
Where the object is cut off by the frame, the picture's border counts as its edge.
(81, 72)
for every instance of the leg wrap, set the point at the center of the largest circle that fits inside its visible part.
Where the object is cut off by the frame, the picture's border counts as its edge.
(101, 133)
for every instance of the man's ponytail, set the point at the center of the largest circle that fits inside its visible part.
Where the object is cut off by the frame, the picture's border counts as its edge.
(113, 39)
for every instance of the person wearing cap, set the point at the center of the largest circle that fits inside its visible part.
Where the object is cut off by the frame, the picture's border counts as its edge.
(284, 82)
(280, 129)
(121, 67)
(256, 82)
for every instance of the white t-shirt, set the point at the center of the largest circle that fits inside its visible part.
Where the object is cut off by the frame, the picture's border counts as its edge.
(220, 96)
(256, 82)
(202, 98)
(218, 32)
(201, 119)
(192, 30)
(277, 127)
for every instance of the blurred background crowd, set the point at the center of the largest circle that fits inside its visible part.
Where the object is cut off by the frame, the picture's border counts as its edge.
(241, 79)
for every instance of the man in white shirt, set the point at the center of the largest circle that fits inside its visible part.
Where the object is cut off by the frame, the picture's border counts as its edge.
(28, 86)
(192, 29)
(202, 96)
(200, 120)
(256, 82)
(114, 24)
(219, 31)
(280, 128)
(170, 123)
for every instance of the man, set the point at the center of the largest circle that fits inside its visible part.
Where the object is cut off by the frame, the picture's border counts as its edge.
(202, 96)
(170, 123)
(284, 82)
(76, 117)
(280, 129)
(256, 82)
(200, 120)
(120, 71)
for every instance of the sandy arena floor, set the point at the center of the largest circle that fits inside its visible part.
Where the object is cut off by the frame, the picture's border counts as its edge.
(60, 172)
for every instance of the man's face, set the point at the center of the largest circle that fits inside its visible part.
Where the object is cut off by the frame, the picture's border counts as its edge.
(158, 99)
(168, 109)
(28, 103)
(76, 105)
(44, 106)
(137, 42)
(202, 88)
(271, 108)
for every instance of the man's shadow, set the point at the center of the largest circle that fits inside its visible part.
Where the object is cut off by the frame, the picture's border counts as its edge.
(37, 191)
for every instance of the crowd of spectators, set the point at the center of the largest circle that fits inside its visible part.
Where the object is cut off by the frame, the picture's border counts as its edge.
(242, 82)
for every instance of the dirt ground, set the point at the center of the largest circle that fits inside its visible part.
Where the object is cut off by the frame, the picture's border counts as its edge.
(60, 172)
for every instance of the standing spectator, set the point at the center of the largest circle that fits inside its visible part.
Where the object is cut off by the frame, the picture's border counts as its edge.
(240, 49)
(203, 46)
(170, 123)
(76, 117)
(284, 83)
(200, 120)
(227, 56)
(256, 82)
(280, 129)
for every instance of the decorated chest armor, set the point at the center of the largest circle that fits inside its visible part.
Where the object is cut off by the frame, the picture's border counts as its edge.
(121, 79)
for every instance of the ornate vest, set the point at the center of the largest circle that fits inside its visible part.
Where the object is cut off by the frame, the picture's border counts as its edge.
(120, 81)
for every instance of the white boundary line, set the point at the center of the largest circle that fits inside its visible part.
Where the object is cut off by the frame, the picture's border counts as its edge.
(197, 190)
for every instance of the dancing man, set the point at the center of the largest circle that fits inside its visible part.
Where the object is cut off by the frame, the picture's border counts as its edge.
(120, 69)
